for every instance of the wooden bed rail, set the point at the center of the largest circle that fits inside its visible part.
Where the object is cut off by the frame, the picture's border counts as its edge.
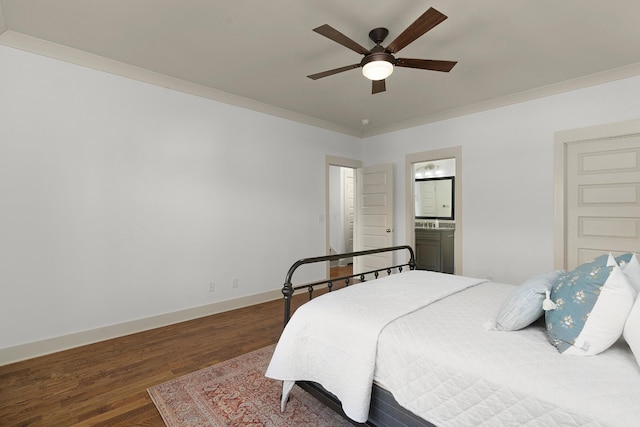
(289, 288)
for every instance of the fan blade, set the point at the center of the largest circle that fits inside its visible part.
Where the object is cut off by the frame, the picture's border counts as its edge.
(378, 86)
(335, 35)
(426, 64)
(427, 21)
(332, 72)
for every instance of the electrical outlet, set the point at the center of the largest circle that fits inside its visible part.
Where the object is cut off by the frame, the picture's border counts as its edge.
(235, 283)
(212, 287)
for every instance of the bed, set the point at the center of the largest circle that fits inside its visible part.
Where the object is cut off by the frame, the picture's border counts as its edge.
(419, 348)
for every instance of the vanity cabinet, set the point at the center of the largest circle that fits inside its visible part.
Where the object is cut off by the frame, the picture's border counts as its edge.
(434, 249)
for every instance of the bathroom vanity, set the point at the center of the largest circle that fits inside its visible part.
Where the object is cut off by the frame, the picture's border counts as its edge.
(434, 249)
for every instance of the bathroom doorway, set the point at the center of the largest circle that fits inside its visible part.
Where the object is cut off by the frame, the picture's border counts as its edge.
(434, 166)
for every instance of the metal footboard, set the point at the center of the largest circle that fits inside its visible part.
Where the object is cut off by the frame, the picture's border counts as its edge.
(289, 288)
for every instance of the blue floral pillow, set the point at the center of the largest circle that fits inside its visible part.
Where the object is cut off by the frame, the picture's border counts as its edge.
(592, 303)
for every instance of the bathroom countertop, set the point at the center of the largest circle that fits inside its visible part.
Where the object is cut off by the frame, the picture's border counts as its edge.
(446, 228)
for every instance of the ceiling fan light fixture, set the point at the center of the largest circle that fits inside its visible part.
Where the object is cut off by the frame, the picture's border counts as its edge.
(378, 63)
(377, 70)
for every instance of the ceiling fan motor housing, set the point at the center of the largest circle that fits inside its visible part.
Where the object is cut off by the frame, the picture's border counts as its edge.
(378, 35)
(378, 53)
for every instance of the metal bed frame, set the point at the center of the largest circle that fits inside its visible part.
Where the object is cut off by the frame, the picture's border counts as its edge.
(384, 410)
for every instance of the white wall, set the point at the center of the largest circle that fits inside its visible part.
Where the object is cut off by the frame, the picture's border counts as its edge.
(121, 200)
(507, 173)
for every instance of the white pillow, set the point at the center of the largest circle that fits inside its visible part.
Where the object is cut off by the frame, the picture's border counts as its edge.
(632, 271)
(632, 330)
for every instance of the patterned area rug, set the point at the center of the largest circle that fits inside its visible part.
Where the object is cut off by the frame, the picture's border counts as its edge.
(236, 393)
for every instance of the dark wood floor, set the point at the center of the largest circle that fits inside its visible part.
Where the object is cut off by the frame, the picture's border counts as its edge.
(104, 384)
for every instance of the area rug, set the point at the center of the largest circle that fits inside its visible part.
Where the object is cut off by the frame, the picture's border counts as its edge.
(236, 393)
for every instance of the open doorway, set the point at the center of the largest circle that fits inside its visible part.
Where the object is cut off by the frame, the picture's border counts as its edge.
(340, 211)
(341, 217)
(430, 167)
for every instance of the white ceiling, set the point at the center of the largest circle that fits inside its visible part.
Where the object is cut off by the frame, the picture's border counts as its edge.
(258, 53)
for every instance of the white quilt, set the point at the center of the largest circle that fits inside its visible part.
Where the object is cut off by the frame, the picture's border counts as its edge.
(440, 363)
(332, 340)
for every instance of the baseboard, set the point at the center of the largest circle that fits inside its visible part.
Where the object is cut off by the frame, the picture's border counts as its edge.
(52, 345)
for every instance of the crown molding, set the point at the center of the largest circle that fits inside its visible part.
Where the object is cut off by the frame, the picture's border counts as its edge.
(56, 51)
(75, 56)
(620, 73)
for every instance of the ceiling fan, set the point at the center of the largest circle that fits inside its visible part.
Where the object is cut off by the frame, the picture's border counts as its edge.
(378, 62)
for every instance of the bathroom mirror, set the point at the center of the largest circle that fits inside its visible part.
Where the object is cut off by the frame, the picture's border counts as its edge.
(434, 198)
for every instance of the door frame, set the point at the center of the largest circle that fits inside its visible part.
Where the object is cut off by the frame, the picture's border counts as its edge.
(429, 156)
(562, 139)
(341, 162)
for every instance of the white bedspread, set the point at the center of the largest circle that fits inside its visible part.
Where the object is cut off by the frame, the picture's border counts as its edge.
(441, 364)
(338, 332)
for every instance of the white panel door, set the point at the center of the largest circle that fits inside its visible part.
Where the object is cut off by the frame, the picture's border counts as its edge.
(603, 198)
(374, 216)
